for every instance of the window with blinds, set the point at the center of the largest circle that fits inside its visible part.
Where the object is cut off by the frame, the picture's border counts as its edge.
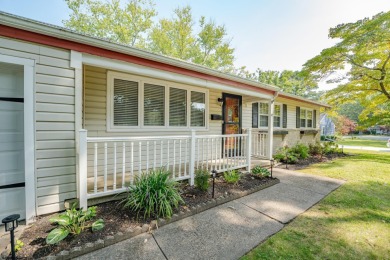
(177, 107)
(277, 116)
(154, 105)
(125, 103)
(263, 112)
(198, 108)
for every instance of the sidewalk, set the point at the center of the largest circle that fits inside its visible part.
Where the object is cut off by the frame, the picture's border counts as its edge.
(230, 230)
(367, 148)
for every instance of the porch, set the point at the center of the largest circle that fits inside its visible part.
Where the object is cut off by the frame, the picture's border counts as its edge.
(108, 165)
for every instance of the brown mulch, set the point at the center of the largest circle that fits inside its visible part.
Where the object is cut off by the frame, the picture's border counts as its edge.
(119, 220)
(311, 160)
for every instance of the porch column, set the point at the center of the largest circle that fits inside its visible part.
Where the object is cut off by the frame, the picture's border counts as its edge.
(271, 105)
(82, 167)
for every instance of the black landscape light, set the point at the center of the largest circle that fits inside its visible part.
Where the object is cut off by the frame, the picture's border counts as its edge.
(214, 172)
(272, 165)
(10, 224)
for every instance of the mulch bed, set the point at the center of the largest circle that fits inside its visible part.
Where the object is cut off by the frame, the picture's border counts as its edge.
(119, 220)
(311, 160)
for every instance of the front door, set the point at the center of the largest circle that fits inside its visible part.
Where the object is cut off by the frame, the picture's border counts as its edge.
(231, 121)
(12, 177)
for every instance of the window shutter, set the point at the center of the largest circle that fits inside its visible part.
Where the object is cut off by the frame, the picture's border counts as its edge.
(284, 116)
(255, 115)
(314, 118)
(198, 108)
(125, 103)
(298, 116)
(154, 105)
(177, 107)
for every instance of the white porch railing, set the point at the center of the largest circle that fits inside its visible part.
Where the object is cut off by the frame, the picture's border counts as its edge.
(108, 165)
(260, 146)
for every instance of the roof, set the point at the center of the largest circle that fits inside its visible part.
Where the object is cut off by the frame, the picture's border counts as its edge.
(58, 32)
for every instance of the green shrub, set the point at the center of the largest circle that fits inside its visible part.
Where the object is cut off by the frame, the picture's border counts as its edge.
(73, 221)
(153, 193)
(285, 155)
(202, 179)
(316, 149)
(258, 170)
(301, 151)
(231, 176)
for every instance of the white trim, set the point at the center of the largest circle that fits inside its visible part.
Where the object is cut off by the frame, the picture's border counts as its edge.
(111, 75)
(29, 132)
(312, 118)
(164, 75)
(281, 115)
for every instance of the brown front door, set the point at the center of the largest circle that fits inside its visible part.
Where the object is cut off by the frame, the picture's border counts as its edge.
(231, 113)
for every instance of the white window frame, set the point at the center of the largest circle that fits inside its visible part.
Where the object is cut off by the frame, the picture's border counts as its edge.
(306, 119)
(110, 127)
(281, 114)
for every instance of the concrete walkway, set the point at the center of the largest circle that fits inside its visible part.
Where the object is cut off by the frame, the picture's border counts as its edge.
(367, 148)
(230, 230)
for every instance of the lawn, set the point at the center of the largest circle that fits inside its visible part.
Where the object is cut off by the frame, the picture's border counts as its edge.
(352, 222)
(363, 142)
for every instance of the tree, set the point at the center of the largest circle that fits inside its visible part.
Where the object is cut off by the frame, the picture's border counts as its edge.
(363, 53)
(126, 25)
(344, 125)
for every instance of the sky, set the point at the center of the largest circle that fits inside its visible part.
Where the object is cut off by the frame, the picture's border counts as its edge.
(266, 34)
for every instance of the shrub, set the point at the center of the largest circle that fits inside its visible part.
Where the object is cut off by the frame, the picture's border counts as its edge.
(301, 150)
(231, 176)
(73, 221)
(285, 155)
(258, 170)
(154, 193)
(202, 179)
(315, 149)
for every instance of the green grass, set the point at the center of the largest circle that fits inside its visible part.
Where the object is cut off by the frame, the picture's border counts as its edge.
(363, 142)
(352, 222)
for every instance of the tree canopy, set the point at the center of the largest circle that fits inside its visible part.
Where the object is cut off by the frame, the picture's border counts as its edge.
(359, 62)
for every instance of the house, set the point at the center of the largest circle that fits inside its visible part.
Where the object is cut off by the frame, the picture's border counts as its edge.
(327, 126)
(81, 117)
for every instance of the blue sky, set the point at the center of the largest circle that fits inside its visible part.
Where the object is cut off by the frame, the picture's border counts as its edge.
(267, 34)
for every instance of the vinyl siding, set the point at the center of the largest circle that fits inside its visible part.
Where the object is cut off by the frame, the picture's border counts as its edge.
(54, 122)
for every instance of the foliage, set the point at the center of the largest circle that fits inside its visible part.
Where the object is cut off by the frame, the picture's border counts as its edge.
(301, 150)
(202, 176)
(285, 155)
(324, 148)
(336, 227)
(328, 137)
(344, 125)
(73, 221)
(360, 61)
(122, 24)
(350, 110)
(153, 193)
(258, 170)
(19, 245)
(231, 176)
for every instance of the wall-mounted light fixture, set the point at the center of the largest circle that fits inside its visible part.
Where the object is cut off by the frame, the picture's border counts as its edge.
(220, 101)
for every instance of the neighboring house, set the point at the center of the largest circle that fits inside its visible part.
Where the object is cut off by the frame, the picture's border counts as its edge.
(327, 126)
(139, 111)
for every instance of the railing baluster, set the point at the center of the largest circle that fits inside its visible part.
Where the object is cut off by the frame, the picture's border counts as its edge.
(147, 156)
(161, 154)
(123, 163)
(140, 157)
(95, 169)
(212, 153)
(168, 155)
(203, 152)
(105, 166)
(131, 163)
(180, 155)
(208, 149)
(185, 158)
(154, 156)
(114, 184)
(174, 158)
(197, 161)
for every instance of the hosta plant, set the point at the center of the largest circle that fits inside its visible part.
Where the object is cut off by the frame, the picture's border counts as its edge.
(153, 193)
(73, 221)
(231, 176)
(258, 170)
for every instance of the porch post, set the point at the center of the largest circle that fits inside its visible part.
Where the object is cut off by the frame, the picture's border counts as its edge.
(192, 158)
(249, 149)
(82, 178)
(271, 105)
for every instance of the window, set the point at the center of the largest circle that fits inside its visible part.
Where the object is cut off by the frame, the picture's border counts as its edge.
(177, 107)
(277, 116)
(263, 112)
(125, 103)
(198, 108)
(140, 102)
(154, 105)
(306, 118)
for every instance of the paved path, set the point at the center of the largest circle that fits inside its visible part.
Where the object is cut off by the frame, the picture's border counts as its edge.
(367, 148)
(230, 230)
